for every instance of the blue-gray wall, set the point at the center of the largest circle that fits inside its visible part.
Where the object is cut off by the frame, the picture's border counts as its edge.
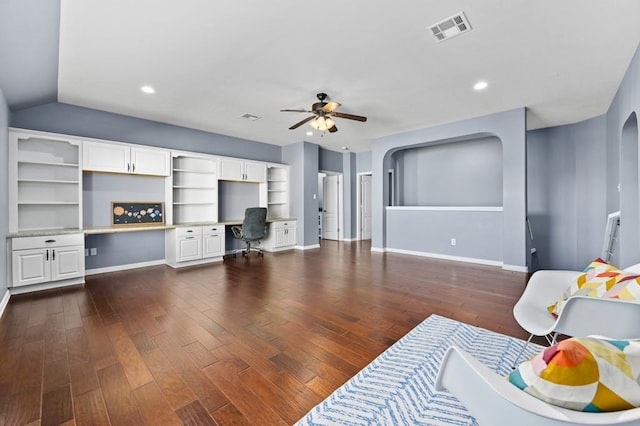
(349, 195)
(29, 35)
(303, 177)
(466, 173)
(4, 196)
(363, 162)
(79, 121)
(330, 161)
(566, 193)
(510, 128)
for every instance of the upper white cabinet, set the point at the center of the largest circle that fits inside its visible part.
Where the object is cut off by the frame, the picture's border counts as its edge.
(194, 189)
(242, 170)
(123, 158)
(45, 182)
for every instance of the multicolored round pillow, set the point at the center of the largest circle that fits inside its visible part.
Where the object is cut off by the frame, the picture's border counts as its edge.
(584, 374)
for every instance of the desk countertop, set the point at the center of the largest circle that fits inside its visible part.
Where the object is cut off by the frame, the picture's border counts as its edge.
(132, 228)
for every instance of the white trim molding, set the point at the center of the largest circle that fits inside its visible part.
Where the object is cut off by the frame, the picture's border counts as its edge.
(447, 257)
(449, 208)
(309, 247)
(123, 267)
(515, 268)
(4, 302)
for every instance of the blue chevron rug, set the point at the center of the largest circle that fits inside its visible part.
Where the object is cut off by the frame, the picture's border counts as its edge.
(397, 388)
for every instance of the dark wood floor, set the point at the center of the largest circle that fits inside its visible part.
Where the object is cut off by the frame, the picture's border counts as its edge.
(258, 341)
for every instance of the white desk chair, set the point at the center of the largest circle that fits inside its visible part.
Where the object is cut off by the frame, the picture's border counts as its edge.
(581, 315)
(493, 401)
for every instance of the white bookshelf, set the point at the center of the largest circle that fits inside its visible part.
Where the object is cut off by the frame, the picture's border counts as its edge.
(277, 191)
(45, 182)
(194, 189)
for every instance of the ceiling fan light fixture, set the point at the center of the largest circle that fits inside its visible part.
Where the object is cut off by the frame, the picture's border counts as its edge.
(322, 123)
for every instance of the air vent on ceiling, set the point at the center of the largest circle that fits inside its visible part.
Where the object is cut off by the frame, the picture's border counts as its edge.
(250, 117)
(451, 27)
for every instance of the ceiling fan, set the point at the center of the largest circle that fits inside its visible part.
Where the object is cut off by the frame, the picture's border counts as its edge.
(322, 112)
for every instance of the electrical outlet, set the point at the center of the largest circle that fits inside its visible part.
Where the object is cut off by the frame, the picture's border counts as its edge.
(86, 252)
(94, 251)
(453, 241)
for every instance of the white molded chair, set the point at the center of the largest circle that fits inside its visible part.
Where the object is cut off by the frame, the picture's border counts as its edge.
(493, 401)
(581, 315)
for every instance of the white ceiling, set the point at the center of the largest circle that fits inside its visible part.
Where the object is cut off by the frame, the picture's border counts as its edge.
(213, 61)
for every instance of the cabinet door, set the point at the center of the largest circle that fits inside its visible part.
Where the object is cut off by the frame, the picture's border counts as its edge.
(255, 172)
(30, 267)
(213, 245)
(106, 157)
(291, 236)
(149, 161)
(280, 237)
(231, 169)
(189, 248)
(67, 262)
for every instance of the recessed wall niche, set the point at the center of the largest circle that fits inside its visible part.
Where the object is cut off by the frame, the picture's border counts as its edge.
(462, 173)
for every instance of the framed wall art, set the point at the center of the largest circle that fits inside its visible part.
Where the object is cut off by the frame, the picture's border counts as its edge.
(138, 213)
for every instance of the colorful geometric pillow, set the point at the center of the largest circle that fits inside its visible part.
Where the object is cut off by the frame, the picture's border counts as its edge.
(599, 279)
(584, 374)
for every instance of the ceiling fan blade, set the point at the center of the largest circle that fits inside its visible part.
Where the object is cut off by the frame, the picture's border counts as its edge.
(349, 116)
(330, 106)
(333, 129)
(300, 123)
(294, 110)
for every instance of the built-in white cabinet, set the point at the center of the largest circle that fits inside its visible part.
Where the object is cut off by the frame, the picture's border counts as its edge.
(45, 182)
(242, 170)
(125, 158)
(277, 191)
(193, 245)
(54, 259)
(193, 191)
(282, 235)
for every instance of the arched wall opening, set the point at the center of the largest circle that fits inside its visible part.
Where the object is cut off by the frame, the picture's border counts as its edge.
(627, 252)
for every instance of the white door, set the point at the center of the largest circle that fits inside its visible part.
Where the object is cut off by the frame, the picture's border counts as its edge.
(330, 223)
(365, 207)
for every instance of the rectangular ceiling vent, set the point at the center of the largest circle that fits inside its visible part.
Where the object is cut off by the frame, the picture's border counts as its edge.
(250, 117)
(451, 27)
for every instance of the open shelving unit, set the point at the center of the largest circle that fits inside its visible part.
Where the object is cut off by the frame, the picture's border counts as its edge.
(45, 183)
(277, 191)
(194, 189)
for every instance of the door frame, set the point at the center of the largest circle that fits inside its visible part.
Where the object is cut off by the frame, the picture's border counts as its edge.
(359, 204)
(340, 202)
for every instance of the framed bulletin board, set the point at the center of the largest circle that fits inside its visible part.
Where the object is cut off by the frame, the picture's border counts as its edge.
(138, 213)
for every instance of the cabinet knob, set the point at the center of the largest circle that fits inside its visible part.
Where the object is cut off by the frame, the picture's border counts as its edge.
(189, 230)
(50, 241)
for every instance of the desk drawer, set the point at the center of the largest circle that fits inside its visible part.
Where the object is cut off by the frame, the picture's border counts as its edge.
(186, 231)
(213, 230)
(22, 243)
(283, 224)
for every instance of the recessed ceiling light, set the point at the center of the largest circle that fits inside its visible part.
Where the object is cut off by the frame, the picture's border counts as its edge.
(481, 85)
(148, 89)
(345, 148)
(309, 133)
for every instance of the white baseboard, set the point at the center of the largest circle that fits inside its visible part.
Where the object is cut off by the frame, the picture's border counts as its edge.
(310, 247)
(447, 257)
(515, 268)
(4, 302)
(123, 267)
(378, 250)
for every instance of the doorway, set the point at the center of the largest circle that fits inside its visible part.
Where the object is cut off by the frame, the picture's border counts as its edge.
(363, 221)
(330, 205)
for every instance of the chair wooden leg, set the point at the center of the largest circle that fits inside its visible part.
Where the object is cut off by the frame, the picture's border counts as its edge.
(515, 363)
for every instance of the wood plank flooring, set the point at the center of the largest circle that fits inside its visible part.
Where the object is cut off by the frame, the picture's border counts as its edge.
(256, 341)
